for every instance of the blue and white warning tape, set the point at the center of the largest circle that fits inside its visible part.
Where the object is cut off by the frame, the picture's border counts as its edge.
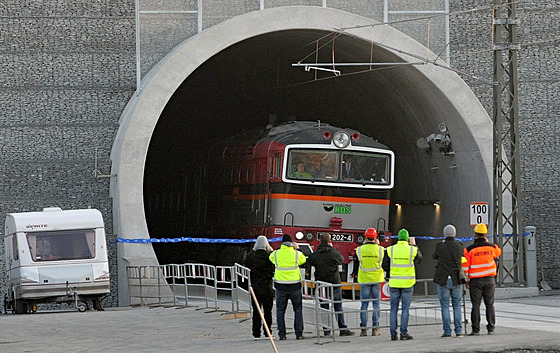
(192, 240)
(466, 239)
(243, 241)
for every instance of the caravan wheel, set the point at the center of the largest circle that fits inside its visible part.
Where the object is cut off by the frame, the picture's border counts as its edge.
(81, 307)
(21, 307)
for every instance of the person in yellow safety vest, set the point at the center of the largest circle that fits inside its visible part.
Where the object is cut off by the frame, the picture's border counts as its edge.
(287, 282)
(481, 269)
(367, 266)
(399, 267)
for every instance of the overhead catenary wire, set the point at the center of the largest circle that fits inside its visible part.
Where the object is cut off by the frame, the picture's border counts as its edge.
(346, 30)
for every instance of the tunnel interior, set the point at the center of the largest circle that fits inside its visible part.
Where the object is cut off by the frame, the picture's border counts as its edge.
(253, 83)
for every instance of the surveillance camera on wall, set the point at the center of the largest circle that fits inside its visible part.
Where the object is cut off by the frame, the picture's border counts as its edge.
(438, 138)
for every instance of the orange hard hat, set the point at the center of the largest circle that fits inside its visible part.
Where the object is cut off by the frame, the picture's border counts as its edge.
(371, 233)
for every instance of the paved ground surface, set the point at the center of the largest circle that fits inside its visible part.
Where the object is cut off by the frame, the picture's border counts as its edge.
(523, 325)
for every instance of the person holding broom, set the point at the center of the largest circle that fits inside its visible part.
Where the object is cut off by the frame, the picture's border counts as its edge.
(262, 272)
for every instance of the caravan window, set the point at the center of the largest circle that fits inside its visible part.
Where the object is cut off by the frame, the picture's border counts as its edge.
(15, 247)
(62, 245)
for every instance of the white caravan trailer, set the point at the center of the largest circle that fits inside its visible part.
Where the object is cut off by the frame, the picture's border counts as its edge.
(55, 256)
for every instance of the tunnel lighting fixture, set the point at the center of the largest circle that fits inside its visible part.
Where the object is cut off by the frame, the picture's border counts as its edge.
(341, 139)
(437, 203)
(398, 205)
(441, 141)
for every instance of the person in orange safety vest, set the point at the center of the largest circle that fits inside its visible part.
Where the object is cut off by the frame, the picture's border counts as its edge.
(481, 269)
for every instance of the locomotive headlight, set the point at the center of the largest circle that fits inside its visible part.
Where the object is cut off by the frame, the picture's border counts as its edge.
(299, 235)
(341, 139)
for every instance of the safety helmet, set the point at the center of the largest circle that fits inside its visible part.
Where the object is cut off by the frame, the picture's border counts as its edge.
(371, 233)
(481, 228)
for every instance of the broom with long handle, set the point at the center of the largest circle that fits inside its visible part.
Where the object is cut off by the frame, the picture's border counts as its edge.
(263, 320)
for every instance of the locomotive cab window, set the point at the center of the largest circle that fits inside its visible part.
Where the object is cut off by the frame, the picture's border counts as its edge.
(348, 167)
(312, 165)
(278, 169)
(365, 168)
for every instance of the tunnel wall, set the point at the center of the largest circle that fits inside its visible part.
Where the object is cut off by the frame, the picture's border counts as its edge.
(143, 111)
(66, 73)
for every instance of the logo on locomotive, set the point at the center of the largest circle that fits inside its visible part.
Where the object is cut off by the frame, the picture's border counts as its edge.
(343, 209)
(340, 209)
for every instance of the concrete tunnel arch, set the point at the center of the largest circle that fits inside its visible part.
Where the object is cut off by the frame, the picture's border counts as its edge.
(468, 123)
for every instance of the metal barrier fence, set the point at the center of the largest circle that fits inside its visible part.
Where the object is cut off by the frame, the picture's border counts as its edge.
(242, 293)
(321, 296)
(147, 285)
(178, 285)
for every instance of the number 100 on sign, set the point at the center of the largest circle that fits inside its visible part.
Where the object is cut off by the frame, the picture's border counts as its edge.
(479, 213)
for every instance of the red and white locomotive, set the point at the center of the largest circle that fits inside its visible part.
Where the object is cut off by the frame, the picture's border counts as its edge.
(302, 179)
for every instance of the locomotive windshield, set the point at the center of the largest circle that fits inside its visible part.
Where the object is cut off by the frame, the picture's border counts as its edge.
(354, 167)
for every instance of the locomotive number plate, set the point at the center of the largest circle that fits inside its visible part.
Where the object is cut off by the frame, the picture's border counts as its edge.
(342, 237)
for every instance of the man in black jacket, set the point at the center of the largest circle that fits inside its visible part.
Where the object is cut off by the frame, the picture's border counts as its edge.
(449, 254)
(326, 261)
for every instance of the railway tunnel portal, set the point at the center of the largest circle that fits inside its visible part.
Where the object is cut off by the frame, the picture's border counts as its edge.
(238, 75)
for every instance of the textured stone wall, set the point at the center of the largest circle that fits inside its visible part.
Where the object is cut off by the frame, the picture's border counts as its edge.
(68, 68)
(539, 108)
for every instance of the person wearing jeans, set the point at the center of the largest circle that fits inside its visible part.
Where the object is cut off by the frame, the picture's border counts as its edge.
(370, 292)
(326, 260)
(405, 296)
(337, 304)
(449, 256)
(368, 261)
(399, 266)
(455, 292)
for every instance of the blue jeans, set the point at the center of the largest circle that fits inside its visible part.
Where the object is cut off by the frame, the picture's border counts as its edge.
(396, 295)
(368, 292)
(337, 298)
(456, 293)
(282, 303)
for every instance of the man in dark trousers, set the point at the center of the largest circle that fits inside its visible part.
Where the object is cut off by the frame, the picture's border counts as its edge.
(287, 282)
(449, 255)
(481, 268)
(326, 261)
(262, 271)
